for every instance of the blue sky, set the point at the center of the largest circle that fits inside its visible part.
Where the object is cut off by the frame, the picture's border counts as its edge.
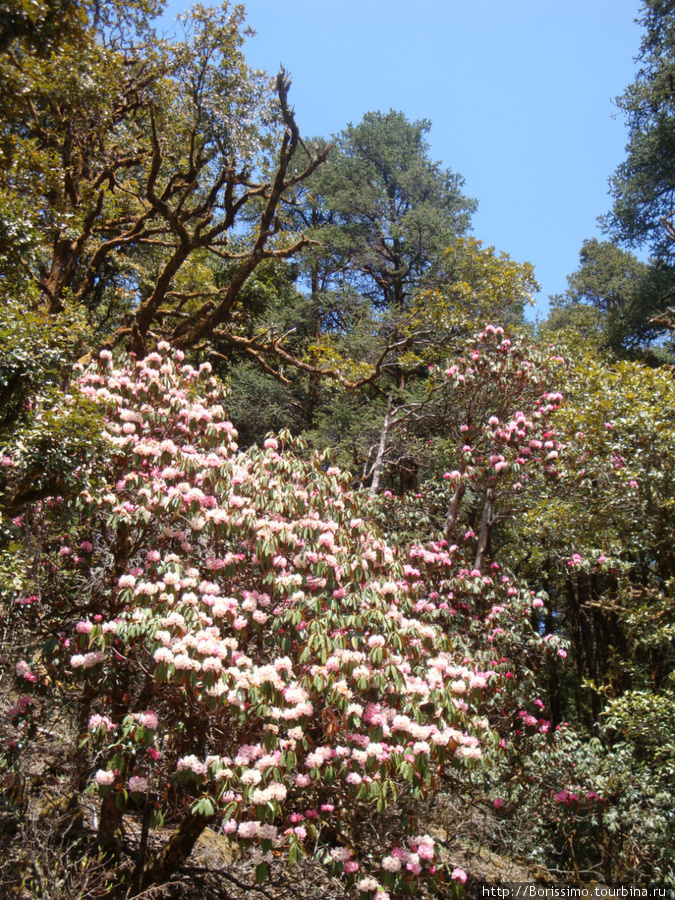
(520, 94)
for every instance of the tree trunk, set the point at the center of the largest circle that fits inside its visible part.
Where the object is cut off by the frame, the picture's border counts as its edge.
(110, 827)
(408, 469)
(485, 527)
(314, 392)
(60, 274)
(586, 623)
(381, 450)
(453, 511)
(177, 849)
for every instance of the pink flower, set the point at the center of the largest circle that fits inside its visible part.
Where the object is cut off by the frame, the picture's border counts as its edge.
(104, 777)
(90, 659)
(498, 803)
(97, 721)
(248, 829)
(147, 719)
(350, 866)
(192, 764)
(459, 875)
(137, 783)
(425, 851)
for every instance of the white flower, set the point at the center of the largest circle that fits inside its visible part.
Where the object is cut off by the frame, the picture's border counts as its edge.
(104, 777)
(391, 864)
(136, 783)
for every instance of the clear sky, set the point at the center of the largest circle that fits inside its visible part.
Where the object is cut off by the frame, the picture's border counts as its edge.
(520, 94)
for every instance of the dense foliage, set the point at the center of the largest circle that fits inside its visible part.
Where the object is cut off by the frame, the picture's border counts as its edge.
(314, 553)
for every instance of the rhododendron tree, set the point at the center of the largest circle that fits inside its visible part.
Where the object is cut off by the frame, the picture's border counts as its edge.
(500, 391)
(251, 654)
(489, 414)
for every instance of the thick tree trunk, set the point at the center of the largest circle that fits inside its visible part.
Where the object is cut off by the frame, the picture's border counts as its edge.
(60, 274)
(176, 851)
(131, 882)
(110, 827)
(408, 469)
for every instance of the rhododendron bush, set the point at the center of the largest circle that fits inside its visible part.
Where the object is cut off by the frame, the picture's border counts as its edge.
(491, 418)
(502, 401)
(251, 655)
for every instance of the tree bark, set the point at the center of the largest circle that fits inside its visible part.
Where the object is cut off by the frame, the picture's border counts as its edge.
(586, 623)
(381, 450)
(453, 510)
(177, 849)
(486, 523)
(110, 827)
